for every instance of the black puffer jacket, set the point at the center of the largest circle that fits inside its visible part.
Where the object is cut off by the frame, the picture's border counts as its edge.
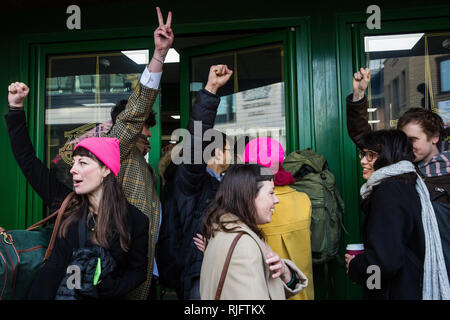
(193, 189)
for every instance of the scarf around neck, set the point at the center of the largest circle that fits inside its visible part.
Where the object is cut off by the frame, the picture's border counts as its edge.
(435, 280)
(282, 177)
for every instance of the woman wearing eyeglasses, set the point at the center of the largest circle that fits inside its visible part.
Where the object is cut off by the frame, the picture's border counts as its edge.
(401, 244)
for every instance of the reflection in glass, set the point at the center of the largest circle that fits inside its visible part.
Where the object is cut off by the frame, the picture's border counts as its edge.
(81, 90)
(253, 101)
(407, 71)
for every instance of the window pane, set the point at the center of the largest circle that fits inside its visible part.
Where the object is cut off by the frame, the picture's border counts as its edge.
(253, 100)
(407, 71)
(81, 90)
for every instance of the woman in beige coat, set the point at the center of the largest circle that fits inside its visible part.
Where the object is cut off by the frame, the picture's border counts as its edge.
(245, 199)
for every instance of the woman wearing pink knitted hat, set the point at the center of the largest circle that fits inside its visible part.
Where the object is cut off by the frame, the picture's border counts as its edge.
(288, 232)
(98, 222)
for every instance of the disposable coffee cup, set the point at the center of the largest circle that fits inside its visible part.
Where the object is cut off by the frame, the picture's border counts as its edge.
(355, 248)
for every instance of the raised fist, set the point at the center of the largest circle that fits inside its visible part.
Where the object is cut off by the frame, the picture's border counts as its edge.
(218, 76)
(18, 91)
(361, 81)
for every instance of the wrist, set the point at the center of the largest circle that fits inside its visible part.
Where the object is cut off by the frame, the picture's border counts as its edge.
(211, 88)
(160, 54)
(357, 95)
(292, 281)
(287, 275)
(15, 105)
(159, 60)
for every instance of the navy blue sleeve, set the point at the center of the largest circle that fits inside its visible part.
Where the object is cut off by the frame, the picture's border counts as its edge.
(190, 176)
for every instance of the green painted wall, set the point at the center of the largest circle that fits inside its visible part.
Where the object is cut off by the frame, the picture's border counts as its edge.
(325, 63)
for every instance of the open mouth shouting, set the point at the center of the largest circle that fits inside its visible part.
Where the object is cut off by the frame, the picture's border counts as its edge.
(77, 182)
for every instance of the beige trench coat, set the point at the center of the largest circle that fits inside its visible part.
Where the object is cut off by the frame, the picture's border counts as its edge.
(248, 277)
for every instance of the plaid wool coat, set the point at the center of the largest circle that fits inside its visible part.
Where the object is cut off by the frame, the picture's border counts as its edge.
(136, 176)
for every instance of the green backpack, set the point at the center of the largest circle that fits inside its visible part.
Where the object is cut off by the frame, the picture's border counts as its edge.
(312, 176)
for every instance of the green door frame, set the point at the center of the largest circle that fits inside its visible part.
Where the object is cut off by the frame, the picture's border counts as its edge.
(36, 115)
(34, 47)
(289, 63)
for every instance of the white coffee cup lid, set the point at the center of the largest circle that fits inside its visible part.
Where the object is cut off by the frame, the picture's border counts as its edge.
(355, 246)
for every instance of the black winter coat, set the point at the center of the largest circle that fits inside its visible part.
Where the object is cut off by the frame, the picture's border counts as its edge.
(168, 255)
(131, 268)
(393, 240)
(193, 189)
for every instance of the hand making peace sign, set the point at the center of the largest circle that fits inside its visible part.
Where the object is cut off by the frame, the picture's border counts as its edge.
(163, 35)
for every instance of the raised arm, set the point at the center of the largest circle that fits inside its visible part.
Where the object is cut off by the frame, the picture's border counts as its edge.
(357, 116)
(203, 115)
(37, 174)
(163, 36)
(129, 123)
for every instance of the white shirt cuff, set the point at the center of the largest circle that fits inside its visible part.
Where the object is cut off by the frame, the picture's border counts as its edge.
(150, 79)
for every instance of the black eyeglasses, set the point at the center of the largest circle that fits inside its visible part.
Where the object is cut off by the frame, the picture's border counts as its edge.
(368, 154)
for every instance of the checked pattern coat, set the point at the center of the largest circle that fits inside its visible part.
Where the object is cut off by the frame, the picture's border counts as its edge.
(136, 176)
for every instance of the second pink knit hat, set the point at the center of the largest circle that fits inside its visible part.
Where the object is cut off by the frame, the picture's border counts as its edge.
(266, 151)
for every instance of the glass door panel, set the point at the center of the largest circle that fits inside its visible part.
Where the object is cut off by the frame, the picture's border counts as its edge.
(80, 92)
(253, 100)
(408, 70)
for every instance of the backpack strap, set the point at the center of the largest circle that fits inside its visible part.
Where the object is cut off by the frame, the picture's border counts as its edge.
(341, 205)
(227, 263)
(304, 170)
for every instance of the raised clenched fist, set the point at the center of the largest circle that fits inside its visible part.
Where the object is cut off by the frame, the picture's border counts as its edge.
(361, 81)
(18, 91)
(218, 76)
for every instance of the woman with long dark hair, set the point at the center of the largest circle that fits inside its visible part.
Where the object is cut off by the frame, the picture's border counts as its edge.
(402, 256)
(98, 216)
(244, 200)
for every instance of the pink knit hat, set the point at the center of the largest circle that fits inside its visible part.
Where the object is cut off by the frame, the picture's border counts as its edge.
(270, 154)
(105, 149)
(264, 151)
